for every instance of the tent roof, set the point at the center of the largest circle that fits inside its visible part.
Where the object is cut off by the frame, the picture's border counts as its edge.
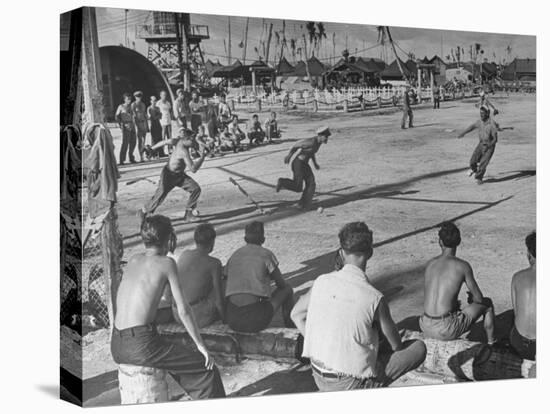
(393, 72)
(284, 67)
(316, 68)
(519, 67)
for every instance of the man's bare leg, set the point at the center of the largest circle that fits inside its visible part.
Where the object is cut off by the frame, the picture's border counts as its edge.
(476, 310)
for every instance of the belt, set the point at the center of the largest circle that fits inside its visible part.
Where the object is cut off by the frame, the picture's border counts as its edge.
(326, 374)
(135, 330)
(445, 315)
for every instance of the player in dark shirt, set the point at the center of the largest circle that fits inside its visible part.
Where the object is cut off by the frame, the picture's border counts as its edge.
(407, 111)
(305, 150)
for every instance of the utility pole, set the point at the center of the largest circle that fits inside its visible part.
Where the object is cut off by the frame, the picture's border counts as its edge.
(126, 27)
(179, 47)
(268, 44)
(229, 40)
(245, 40)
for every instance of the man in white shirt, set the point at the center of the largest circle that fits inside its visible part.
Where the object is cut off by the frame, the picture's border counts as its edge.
(341, 318)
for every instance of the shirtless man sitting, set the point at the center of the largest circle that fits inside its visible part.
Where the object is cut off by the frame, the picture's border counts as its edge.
(445, 274)
(135, 339)
(524, 300)
(200, 276)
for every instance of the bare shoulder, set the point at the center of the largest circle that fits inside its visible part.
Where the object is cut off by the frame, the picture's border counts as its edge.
(523, 276)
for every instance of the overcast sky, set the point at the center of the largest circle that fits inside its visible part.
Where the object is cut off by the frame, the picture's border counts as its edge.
(359, 39)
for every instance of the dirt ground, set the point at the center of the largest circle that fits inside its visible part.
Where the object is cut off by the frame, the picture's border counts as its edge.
(402, 183)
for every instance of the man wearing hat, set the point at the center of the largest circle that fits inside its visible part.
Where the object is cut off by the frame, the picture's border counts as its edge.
(487, 130)
(305, 150)
(174, 174)
(139, 111)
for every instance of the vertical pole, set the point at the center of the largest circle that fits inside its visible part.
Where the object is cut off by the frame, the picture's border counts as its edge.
(245, 40)
(268, 44)
(229, 40)
(179, 47)
(93, 112)
(432, 84)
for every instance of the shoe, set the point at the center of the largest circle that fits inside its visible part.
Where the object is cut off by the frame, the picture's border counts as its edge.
(133, 162)
(121, 163)
(471, 172)
(278, 186)
(195, 212)
(479, 181)
(403, 127)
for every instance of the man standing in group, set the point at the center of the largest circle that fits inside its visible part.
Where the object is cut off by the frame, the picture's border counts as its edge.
(224, 112)
(200, 276)
(154, 115)
(407, 111)
(125, 119)
(341, 318)
(523, 336)
(487, 130)
(443, 279)
(135, 340)
(250, 271)
(196, 109)
(305, 150)
(166, 115)
(139, 110)
(181, 108)
(174, 175)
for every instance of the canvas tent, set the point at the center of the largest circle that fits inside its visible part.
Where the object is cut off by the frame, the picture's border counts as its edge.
(521, 70)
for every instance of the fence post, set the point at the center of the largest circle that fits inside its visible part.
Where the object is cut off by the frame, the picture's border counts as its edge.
(315, 105)
(259, 103)
(379, 102)
(232, 105)
(345, 105)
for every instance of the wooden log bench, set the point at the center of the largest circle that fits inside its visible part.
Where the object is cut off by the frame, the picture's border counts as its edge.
(142, 384)
(276, 343)
(471, 361)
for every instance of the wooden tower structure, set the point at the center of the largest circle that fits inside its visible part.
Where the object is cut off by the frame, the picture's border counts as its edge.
(175, 46)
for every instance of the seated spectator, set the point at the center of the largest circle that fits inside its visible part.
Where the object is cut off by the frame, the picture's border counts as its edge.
(200, 277)
(256, 134)
(272, 128)
(341, 318)
(524, 300)
(203, 142)
(251, 303)
(237, 135)
(444, 276)
(135, 339)
(227, 143)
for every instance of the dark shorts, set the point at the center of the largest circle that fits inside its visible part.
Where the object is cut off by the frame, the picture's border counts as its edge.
(525, 347)
(249, 318)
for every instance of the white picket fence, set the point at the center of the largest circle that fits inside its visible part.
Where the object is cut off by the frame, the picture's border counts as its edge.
(323, 100)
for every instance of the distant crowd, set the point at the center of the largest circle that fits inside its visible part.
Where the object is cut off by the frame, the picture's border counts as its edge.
(215, 127)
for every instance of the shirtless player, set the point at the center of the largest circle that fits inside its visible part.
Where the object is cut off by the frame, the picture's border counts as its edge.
(135, 339)
(174, 175)
(488, 137)
(445, 274)
(524, 300)
(200, 276)
(305, 150)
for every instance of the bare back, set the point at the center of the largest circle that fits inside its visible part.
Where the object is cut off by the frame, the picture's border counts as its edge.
(443, 280)
(140, 290)
(195, 272)
(524, 300)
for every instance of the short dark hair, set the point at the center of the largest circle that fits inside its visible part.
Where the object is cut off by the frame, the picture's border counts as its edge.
(204, 234)
(254, 233)
(355, 237)
(449, 234)
(126, 95)
(255, 116)
(156, 230)
(531, 243)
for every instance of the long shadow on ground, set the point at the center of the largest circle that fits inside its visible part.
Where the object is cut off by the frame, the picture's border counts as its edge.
(334, 201)
(291, 381)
